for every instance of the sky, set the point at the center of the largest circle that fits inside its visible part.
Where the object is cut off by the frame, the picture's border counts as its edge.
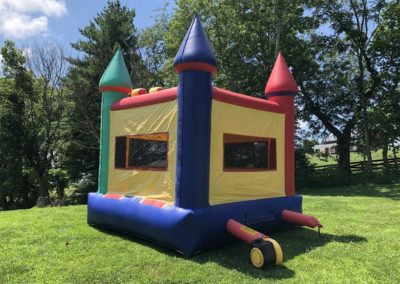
(30, 22)
(35, 21)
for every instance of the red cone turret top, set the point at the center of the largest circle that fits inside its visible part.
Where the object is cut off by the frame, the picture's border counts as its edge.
(281, 81)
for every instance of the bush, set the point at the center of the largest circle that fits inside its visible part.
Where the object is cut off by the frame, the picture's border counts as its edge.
(78, 193)
(304, 170)
(335, 177)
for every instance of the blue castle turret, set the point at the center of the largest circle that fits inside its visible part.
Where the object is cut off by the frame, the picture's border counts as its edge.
(195, 63)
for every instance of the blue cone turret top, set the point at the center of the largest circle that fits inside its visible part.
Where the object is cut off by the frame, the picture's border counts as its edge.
(195, 52)
(116, 77)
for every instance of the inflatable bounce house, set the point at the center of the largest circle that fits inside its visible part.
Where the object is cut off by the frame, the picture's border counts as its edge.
(190, 166)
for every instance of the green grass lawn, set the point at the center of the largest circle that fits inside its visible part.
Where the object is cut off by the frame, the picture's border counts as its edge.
(361, 244)
(354, 157)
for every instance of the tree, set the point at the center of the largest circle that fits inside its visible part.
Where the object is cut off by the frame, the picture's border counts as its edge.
(327, 93)
(153, 49)
(352, 29)
(46, 112)
(112, 27)
(41, 107)
(244, 38)
(386, 113)
(355, 23)
(16, 191)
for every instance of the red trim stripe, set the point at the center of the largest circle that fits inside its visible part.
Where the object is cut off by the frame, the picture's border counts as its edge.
(246, 101)
(144, 100)
(113, 196)
(154, 203)
(118, 89)
(195, 66)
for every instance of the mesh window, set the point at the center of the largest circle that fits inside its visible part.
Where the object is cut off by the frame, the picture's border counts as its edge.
(246, 155)
(120, 152)
(145, 153)
(249, 153)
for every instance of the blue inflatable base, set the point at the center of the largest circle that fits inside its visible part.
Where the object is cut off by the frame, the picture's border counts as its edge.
(184, 230)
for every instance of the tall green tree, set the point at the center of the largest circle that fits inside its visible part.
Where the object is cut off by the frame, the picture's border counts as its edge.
(326, 99)
(41, 110)
(346, 69)
(112, 27)
(15, 189)
(46, 113)
(153, 49)
(354, 24)
(244, 37)
(386, 112)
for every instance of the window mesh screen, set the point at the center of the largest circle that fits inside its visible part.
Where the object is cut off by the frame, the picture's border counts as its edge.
(247, 153)
(147, 153)
(120, 152)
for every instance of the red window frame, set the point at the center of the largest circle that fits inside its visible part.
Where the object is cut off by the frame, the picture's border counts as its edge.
(142, 136)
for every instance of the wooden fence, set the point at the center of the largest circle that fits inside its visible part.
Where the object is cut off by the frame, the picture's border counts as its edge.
(359, 167)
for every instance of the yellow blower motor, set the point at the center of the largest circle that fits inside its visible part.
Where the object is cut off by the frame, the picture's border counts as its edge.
(263, 251)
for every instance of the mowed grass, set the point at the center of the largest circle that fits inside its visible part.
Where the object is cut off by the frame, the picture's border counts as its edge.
(320, 160)
(360, 244)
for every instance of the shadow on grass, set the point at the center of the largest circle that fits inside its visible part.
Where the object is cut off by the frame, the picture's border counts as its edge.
(234, 255)
(391, 191)
(294, 242)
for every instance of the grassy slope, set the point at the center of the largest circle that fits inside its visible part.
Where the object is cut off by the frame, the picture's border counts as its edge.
(361, 244)
(354, 157)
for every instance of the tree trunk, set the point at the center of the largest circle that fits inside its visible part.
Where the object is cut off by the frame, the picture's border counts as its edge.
(394, 155)
(343, 149)
(367, 142)
(61, 195)
(385, 147)
(364, 113)
(43, 192)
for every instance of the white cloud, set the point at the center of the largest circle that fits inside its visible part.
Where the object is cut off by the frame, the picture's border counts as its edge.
(27, 52)
(20, 25)
(47, 7)
(21, 18)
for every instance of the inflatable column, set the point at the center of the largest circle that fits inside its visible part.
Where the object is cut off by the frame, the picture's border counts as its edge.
(114, 84)
(195, 64)
(281, 88)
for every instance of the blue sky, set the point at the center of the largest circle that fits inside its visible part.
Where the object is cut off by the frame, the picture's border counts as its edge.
(34, 21)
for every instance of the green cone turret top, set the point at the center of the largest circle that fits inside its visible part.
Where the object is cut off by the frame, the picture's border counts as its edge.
(116, 74)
